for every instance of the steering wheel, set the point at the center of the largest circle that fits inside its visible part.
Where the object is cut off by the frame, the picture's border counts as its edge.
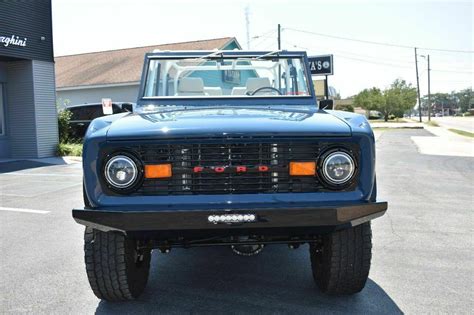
(264, 88)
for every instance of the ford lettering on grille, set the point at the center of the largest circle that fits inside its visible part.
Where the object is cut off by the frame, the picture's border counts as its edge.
(231, 169)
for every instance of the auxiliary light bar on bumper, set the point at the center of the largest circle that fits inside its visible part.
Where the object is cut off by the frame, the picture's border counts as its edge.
(222, 219)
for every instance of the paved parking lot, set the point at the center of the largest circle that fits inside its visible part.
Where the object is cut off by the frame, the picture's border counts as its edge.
(422, 256)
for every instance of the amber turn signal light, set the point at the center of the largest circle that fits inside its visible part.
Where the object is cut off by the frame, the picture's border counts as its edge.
(302, 168)
(158, 171)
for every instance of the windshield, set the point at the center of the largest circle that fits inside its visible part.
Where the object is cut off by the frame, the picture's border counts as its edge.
(226, 77)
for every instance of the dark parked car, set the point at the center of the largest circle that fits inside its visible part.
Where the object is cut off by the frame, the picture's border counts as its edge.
(228, 148)
(83, 114)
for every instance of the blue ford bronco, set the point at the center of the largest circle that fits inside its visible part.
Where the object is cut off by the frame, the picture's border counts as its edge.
(227, 148)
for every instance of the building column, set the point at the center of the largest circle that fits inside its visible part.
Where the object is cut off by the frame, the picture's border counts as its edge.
(31, 109)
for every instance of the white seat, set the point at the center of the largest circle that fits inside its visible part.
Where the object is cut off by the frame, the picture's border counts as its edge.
(254, 84)
(238, 91)
(190, 87)
(215, 91)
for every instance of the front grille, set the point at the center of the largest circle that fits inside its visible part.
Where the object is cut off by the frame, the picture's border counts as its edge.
(227, 156)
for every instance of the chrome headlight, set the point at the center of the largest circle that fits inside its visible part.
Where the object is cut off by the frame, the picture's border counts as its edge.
(121, 171)
(338, 168)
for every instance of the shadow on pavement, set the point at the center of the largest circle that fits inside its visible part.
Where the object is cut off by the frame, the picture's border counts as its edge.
(13, 166)
(214, 280)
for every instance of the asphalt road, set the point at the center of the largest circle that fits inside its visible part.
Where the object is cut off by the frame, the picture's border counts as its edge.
(461, 123)
(422, 255)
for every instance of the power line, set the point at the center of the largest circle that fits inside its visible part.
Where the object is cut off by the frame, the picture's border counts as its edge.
(378, 62)
(264, 40)
(377, 43)
(372, 57)
(453, 71)
(268, 46)
(363, 60)
(453, 81)
(265, 34)
(374, 62)
(400, 66)
(260, 39)
(354, 55)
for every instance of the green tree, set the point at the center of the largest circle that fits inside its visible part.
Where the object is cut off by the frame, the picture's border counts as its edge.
(64, 116)
(448, 100)
(369, 99)
(345, 107)
(399, 98)
(466, 99)
(396, 100)
(440, 98)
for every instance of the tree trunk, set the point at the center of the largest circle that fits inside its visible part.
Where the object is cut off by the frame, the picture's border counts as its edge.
(385, 117)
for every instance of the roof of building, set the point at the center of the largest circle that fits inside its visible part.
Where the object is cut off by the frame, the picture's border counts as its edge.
(119, 66)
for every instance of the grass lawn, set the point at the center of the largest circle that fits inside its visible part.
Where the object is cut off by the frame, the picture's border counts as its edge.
(462, 133)
(432, 123)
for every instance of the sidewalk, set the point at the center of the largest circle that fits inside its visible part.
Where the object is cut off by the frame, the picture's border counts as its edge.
(14, 165)
(51, 160)
(397, 125)
(450, 122)
(444, 142)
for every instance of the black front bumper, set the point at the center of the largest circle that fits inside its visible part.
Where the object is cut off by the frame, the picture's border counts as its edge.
(176, 221)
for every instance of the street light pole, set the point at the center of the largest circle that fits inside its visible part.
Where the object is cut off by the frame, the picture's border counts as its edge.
(429, 90)
(418, 84)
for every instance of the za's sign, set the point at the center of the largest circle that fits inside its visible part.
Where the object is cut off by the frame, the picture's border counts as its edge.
(321, 65)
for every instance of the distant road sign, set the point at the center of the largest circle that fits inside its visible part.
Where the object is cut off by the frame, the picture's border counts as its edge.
(321, 65)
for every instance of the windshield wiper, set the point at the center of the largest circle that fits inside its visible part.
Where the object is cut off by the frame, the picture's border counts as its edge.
(269, 54)
(221, 52)
(217, 52)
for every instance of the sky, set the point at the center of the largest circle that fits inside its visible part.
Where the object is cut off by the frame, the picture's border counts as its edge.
(94, 25)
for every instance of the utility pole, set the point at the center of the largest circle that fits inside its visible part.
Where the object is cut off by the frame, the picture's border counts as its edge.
(418, 84)
(279, 36)
(429, 90)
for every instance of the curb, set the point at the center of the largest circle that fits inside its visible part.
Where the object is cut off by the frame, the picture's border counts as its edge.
(398, 127)
(72, 159)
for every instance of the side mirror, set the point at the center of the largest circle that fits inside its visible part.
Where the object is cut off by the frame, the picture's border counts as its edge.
(326, 104)
(128, 107)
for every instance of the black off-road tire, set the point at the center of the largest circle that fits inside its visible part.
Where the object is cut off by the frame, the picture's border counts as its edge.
(115, 269)
(341, 263)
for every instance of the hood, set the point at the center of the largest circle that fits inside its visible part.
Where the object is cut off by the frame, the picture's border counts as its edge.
(215, 122)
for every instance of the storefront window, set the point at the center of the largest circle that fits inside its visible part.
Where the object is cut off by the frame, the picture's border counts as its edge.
(2, 115)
